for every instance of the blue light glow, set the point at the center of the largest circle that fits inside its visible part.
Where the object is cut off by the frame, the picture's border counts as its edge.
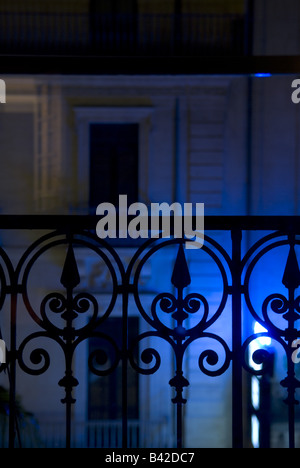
(263, 340)
(262, 75)
(255, 431)
(258, 343)
(255, 393)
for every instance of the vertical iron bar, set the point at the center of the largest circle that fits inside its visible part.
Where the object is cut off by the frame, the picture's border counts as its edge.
(125, 368)
(179, 426)
(291, 280)
(291, 374)
(12, 369)
(291, 404)
(237, 376)
(68, 356)
(68, 400)
(291, 426)
(70, 279)
(291, 368)
(265, 395)
(179, 371)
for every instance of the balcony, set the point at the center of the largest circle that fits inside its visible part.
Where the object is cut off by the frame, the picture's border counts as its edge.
(116, 35)
(244, 291)
(90, 434)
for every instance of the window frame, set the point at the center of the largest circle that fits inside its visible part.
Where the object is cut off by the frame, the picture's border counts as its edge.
(113, 172)
(94, 115)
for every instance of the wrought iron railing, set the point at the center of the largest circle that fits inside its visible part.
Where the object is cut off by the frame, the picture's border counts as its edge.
(105, 434)
(175, 317)
(116, 35)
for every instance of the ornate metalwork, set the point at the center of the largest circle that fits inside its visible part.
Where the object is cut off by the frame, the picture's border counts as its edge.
(58, 317)
(288, 310)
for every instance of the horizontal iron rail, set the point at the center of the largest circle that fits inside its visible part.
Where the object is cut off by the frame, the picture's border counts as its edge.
(89, 222)
(27, 64)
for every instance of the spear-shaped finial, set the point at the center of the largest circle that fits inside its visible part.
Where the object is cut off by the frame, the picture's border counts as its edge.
(181, 276)
(291, 277)
(70, 276)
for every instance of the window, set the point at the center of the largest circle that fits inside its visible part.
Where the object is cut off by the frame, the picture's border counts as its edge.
(132, 126)
(113, 163)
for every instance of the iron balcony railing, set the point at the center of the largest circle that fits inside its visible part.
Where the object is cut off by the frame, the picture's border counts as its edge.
(115, 35)
(178, 317)
(89, 434)
(106, 434)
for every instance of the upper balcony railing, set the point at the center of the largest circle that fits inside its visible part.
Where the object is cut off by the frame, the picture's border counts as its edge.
(114, 35)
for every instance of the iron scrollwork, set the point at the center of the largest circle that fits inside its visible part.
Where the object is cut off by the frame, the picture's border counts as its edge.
(180, 335)
(68, 307)
(279, 314)
(178, 317)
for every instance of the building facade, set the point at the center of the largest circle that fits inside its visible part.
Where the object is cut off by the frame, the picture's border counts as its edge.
(229, 141)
